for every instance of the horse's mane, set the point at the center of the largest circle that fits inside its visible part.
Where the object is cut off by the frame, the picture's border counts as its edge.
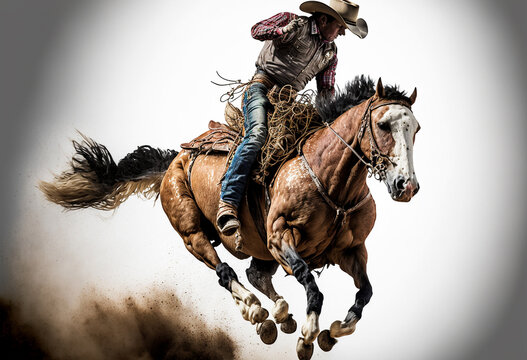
(354, 93)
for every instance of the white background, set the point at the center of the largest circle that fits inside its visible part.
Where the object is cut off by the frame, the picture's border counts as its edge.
(443, 267)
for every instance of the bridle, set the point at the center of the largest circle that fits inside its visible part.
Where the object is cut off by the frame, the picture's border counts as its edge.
(377, 165)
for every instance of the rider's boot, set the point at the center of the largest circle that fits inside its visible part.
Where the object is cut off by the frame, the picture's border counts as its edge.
(227, 218)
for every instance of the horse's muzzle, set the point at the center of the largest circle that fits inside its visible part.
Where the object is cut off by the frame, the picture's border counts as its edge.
(404, 189)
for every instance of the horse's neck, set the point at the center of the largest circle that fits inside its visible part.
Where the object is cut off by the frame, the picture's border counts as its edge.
(340, 171)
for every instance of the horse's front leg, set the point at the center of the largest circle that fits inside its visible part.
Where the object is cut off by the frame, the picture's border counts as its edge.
(353, 262)
(282, 245)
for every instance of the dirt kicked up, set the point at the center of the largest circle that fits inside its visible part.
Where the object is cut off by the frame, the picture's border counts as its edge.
(153, 327)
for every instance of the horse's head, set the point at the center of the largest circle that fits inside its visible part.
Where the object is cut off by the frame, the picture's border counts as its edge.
(391, 128)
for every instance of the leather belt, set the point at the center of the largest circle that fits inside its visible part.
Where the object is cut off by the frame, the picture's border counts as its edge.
(264, 79)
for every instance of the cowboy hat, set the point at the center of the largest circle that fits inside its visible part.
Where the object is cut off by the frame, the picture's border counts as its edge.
(344, 11)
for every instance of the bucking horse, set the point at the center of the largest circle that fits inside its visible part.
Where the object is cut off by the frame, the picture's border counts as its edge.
(316, 211)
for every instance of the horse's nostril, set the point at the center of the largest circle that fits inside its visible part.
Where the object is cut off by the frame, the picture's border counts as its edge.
(399, 184)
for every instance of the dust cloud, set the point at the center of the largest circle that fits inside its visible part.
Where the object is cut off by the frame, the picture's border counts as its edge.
(17, 338)
(153, 326)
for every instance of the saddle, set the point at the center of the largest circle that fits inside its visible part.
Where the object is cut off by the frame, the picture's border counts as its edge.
(219, 138)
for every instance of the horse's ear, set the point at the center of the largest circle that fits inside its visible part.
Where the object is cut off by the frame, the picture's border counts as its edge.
(379, 91)
(413, 96)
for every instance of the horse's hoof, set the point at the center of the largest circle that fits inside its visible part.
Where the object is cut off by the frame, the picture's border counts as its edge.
(280, 311)
(267, 331)
(304, 351)
(325, 341)
(257, 314)
(288, 326)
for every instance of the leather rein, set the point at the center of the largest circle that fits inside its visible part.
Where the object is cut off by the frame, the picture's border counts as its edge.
(376, 165)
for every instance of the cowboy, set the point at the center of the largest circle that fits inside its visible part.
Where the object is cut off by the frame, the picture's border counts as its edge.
(296, 49)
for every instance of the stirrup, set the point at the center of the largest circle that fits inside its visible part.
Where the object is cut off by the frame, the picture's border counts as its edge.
(227, 219)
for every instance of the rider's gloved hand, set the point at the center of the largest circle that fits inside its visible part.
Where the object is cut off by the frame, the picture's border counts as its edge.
(293, 25)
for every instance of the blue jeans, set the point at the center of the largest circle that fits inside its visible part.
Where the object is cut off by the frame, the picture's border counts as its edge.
(255, 106)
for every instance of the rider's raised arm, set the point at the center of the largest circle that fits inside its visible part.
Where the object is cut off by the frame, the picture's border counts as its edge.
(273, 27)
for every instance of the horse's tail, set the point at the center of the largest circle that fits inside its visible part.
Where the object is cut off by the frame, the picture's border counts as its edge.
(95, 180)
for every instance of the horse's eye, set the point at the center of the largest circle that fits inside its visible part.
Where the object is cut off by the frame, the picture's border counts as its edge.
(383, 125)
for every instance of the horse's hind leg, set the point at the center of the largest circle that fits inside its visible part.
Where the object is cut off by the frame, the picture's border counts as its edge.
(186, 218)
(199, 245)
(260, 275)
(247, 302)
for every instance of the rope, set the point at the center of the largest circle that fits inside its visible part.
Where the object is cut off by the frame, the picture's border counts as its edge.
(237, 88)
(294, 118)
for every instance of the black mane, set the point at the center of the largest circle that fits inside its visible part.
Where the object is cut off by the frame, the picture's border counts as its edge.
(354, 93)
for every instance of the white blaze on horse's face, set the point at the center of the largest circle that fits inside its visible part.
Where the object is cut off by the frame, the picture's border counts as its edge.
(400, 175)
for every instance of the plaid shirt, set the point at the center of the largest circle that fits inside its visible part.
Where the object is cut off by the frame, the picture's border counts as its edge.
(271, 28)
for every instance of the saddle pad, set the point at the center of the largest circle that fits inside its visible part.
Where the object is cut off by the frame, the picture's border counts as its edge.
(219, 138)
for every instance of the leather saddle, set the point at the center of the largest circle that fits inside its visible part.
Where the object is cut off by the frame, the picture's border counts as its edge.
(219, 138)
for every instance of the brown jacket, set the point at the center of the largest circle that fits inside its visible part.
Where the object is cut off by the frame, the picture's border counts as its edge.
(296, 58)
